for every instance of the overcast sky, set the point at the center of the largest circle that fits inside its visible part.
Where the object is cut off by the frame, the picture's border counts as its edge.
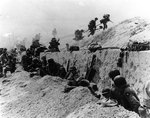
(25, 18)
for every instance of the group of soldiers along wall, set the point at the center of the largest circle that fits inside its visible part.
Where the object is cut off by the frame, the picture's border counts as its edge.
(136, 65)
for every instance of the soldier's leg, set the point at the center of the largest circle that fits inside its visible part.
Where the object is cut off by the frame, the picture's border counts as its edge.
(42, 72)
(12, 70)
(5, 70)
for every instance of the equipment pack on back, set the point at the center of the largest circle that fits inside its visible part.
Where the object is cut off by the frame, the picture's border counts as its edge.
(127, 97)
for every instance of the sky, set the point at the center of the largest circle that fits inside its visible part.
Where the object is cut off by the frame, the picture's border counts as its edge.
(21, 19)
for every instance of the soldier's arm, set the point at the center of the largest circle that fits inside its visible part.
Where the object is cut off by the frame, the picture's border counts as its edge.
(67, 75)
(93, 93)
(111, 21)
(134, 93)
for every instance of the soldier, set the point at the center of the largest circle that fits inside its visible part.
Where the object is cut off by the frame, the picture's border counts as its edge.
(43, 69)
(26, 60)
(78, 35)
(14, 52)
(39, 50)
(35, 43)
(92, 26)
(51, 68)
(13, 68)
(4, 56)
(113, 74)
(125, 95)
(106, 93)
(54, 45)
(108, 101)
(31, 50)
(93, 89)
(105, 20)
(35, 65)
(62, 72)
(10, 65)
(44, 62)
(1, 51)
(73, 77)
(55, 69)
(81, 81)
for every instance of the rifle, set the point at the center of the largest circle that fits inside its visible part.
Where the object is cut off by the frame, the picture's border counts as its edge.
(74, 61)
(68, 68)
(111, 21)
(90, 73)
(68, 64)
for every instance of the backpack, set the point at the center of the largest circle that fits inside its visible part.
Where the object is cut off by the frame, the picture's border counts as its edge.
(129, 99)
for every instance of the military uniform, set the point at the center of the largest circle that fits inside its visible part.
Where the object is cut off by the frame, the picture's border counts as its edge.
(105, 20)
(26, 61)
(55, 69)
(54, 45)
(92, 26)
(124, 94)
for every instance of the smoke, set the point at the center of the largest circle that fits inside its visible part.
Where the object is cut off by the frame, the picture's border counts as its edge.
(37, 37)
(7, 40)
(54, 32)
(10, 41)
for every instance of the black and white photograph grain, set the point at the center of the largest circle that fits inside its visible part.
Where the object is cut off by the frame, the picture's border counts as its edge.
(74, 59)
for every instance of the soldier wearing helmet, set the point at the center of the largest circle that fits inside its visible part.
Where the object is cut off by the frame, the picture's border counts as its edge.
(35, 65)
(124, 94)
(55, 69)
(92, 26)
(53, 45)
(105, 20)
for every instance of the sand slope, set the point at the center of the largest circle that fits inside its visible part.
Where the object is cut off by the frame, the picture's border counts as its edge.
(25, 97)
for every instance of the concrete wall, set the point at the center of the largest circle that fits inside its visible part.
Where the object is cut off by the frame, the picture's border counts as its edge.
(136, 67)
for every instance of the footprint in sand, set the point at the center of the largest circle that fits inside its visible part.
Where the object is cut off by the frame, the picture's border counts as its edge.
(3, 103)
(5, 81)
(6, 95)
(22, 86)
